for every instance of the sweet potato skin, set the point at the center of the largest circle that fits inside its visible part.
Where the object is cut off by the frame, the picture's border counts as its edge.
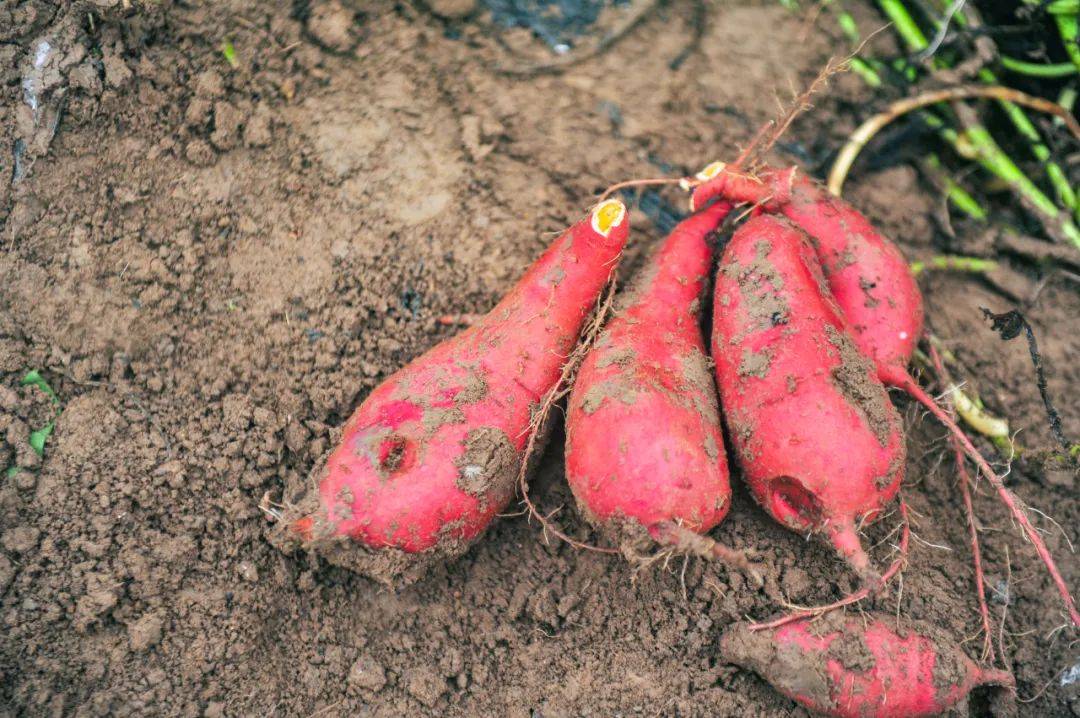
(819, 442)
(643, 437)
(433, 453)
(860, 666)
(866, 272)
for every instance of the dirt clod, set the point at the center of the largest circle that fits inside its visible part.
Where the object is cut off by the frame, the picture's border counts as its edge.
(145, 633)
(855, 377)
(331, 25)
(425, 685)
(366, 674)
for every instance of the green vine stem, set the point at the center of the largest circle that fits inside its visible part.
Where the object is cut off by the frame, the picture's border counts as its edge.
(956, 263)
(980, 145)
(870, 71)
(1039, 69)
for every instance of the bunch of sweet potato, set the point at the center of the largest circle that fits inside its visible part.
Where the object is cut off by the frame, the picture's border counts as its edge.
(814, 314)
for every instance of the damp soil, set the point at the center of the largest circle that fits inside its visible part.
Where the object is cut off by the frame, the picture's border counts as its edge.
(233, 220)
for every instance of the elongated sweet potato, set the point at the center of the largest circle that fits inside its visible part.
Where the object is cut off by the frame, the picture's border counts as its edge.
(820, 444)
(644, 448)
(433, 453)
(860, 666)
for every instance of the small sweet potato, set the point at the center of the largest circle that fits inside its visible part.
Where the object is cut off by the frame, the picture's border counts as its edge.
(860, 666)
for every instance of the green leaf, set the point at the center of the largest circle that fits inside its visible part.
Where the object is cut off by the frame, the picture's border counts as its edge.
(37, 438)
(229, 52)
(34, 378)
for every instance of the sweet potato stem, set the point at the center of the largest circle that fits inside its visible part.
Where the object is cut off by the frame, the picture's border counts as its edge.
(870, 71)
(916, 41)
(974, 142)
(906, 382)
(975, 265)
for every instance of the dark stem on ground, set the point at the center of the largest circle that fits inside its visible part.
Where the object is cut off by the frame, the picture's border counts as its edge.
(1009, 325)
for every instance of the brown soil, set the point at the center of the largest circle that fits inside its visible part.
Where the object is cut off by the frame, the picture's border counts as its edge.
(212, 265)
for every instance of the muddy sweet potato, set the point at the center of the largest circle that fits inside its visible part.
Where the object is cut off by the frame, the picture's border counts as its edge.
(644, 448)
(433, 453)
(820, 444)
(860, 666)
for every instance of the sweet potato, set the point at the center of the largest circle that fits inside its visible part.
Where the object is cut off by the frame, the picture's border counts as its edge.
(860, 666)
(819, 441)
(432, 454)
(644, 448)
(877, 293)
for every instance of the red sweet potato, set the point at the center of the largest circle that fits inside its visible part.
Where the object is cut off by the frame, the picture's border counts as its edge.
(819, 442)
(644, 448)
(433, 453)
(860, 666)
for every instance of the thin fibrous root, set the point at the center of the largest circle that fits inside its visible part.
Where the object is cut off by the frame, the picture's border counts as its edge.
(866, 131)
(865, 592)
(638, 183)
(691, 543)
(973, 532)
(559, 390)
(1014, 504)
(799, 104)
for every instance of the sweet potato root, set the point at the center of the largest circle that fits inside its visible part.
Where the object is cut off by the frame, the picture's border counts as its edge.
(877, 294)
(644, 450)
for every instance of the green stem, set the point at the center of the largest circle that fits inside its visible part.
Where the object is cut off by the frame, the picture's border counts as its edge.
(1026, 127)
(905, 24)
(993, 159)
(955, 263)
(1058, 179)
(1067, 99)
(1039, 69)
(1067, 28)
(983, 146)
(870, 72)
(959, 196)
(1060, 7)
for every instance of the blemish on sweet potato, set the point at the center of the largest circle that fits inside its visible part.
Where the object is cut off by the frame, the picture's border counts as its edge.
(489, 463)
(613, 389)
(473, 390)
(855, 377)
(621, 357)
